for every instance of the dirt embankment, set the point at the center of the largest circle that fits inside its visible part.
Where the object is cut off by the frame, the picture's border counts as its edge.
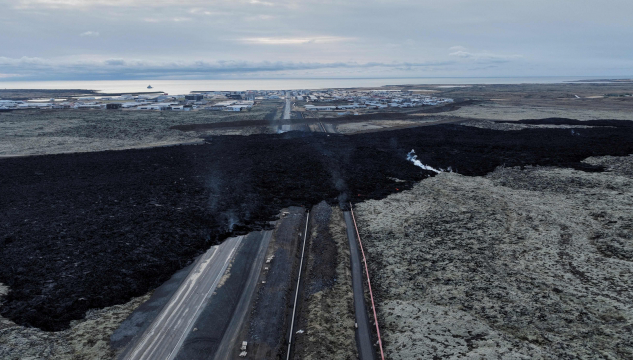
(327, 316)
(533, 263)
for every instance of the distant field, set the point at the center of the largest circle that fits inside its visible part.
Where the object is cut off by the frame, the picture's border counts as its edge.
(31, 132)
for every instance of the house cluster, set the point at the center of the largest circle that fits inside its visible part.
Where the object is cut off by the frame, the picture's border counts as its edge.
(219, 101)
(319, 100)
(371, 99)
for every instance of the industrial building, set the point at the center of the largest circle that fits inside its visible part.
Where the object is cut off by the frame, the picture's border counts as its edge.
(194, 97)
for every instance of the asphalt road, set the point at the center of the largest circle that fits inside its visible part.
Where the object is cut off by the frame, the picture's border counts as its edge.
(288, 116)
(291, 126)
(297, 290)
(366, 350)
(165, 336)
(269, 321)
(287, 108)
(231, 341)
(326, 128)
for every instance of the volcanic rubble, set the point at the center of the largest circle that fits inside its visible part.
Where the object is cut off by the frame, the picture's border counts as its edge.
(90, 230)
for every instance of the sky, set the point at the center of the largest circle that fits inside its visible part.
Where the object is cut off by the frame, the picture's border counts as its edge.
(244, 39)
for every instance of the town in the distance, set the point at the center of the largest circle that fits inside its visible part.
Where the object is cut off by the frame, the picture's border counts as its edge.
(309, 100)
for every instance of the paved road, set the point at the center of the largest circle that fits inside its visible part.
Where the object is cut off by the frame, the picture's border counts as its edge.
(326, 128)
(165, 336)
(330, 128)
(294, 125)
(366, 350)
(298, 289)
(231, 341)
(287, 108)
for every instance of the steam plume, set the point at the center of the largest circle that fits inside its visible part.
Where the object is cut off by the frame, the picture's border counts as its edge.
(411, 156)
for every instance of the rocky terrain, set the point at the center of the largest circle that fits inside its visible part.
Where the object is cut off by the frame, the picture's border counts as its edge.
(511, 102)
(500, 110)
(530, 263)
(92, 230)
(85, 339)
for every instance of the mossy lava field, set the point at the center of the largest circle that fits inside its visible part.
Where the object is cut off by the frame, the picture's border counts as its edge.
(90, 230)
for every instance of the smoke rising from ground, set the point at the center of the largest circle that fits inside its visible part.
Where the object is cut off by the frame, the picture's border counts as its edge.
(411, 156)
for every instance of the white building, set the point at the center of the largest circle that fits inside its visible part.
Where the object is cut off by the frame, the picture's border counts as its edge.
(320, 108)
(236, 107)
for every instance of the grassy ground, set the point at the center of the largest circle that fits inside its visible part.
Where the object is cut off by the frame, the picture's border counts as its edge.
(31, 132)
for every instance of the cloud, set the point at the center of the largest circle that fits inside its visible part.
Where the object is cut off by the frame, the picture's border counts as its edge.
(4, 76)
(90, 34)
(482, 56)
(265, 3)
(173, 19)
(293, 40)
(202, 11)
(116, 68)
(259, 17)
(82, 4)
(519, 38)
(115, 62)
(23, 61)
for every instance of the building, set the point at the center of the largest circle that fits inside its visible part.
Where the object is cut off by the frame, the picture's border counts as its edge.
(236, 107)
(113, 106)
(154, 107)
(10, 103)
(194, 97)
(319, 108)
(34, 105)
(88, 106)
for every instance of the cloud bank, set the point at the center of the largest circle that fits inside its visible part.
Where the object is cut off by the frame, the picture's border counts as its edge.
(134, 39)
(26, 68)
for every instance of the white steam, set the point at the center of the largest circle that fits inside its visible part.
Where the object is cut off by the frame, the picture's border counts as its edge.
(411, 156)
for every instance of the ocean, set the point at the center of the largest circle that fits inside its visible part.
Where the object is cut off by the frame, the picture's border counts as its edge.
(185, 86)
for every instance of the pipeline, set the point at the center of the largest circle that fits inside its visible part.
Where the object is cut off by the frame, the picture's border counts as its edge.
(371, 295)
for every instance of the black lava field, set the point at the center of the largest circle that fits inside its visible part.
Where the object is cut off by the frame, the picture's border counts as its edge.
(90, 230)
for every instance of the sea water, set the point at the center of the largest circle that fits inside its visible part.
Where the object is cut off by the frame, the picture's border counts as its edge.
(186, 86)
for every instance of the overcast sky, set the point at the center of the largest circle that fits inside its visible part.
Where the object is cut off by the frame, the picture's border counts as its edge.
(195, 39)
